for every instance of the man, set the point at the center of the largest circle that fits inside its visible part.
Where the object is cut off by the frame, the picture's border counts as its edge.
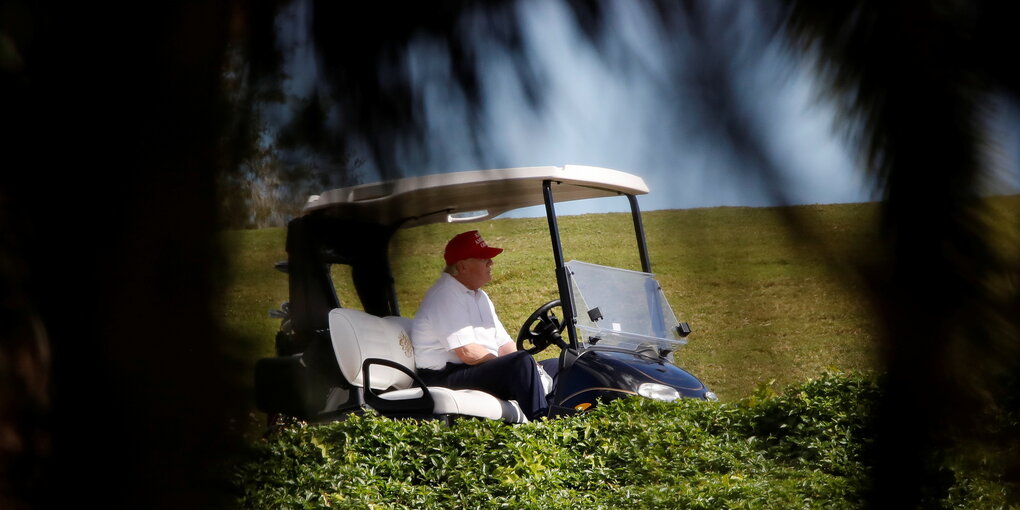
(459, 341)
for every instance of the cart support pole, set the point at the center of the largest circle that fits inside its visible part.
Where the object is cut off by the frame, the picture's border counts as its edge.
(639, 231)
(562, 282)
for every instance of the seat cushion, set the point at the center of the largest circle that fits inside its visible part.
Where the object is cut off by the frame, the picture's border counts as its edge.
(465, 402)
(357, 335)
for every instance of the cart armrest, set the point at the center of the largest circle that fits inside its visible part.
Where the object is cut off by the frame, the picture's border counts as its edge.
(422, 404)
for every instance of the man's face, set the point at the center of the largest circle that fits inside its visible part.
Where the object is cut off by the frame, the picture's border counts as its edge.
(474, 273)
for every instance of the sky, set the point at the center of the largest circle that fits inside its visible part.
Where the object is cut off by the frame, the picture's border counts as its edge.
(599, 117)
(595, 114)
(619, 116)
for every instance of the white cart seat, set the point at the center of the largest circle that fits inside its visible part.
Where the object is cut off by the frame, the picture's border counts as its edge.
(358, 336)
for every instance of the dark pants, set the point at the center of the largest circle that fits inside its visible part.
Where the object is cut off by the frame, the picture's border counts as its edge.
(511, 377)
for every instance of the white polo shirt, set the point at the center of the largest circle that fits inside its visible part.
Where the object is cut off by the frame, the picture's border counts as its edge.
(451, 316)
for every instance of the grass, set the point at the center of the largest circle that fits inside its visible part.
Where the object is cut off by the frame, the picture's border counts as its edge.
(798, 450)
(807, 447)
(774, 299)
(768, 304)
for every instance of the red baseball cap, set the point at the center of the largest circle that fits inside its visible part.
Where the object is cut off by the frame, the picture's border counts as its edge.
(468, 245)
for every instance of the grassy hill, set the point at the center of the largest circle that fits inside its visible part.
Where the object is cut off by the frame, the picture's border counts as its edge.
(773, 297)
(770, 293)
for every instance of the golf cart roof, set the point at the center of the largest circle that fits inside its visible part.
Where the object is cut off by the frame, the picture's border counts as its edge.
(469, 196)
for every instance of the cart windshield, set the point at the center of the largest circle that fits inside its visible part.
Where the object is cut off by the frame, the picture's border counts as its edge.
(621, 308)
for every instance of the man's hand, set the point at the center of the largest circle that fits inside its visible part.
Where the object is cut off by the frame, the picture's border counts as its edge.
(507, 348)
(473, 354)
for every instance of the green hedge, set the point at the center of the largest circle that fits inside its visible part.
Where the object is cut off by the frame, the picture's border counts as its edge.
(801, 449)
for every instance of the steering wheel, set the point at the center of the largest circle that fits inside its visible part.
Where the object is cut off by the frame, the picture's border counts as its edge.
(541, 329)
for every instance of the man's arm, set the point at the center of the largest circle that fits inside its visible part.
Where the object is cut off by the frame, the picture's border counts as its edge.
(473, 354)
(507, 348)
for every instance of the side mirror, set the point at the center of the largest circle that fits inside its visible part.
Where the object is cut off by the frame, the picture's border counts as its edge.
(683, 329)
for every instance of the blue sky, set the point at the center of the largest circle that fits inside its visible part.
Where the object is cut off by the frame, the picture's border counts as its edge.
(600, 115)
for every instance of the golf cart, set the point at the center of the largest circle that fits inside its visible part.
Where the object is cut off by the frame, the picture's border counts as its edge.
(618, 335)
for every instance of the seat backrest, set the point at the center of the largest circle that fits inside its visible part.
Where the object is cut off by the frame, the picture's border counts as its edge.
(357, 335)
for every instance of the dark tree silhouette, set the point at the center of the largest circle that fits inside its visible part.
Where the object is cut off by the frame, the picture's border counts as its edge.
(917, 80)
(115, 385)
(117, 389)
